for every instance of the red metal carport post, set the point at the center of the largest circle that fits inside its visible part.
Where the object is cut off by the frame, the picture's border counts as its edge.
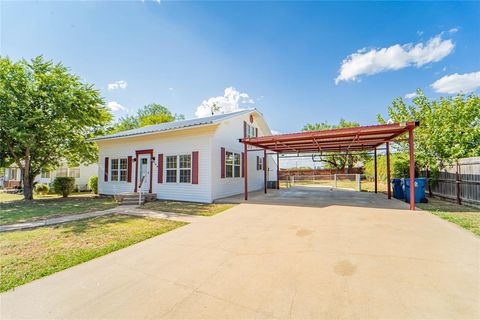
(245, 169)
(375, 168)
(265, 170)
(411, 148)
(278, 171)
(389, 185)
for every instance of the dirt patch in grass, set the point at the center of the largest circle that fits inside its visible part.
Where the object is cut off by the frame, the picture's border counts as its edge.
(464, 216)
(195, 208)
(23, 211)
(32, 254)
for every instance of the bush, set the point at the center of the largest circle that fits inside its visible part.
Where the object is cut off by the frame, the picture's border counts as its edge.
(41, 188)
(93, 184)
(399, 167)
(63, 185)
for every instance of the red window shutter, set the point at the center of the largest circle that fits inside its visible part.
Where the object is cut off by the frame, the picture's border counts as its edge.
(244, 129)
(222, 162)
(256, 132)
(129, 169)
(243, 164)
(160, 168)
(105, 175)
(195, 167)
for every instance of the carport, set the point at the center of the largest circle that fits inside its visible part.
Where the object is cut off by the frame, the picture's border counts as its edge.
(343, 140)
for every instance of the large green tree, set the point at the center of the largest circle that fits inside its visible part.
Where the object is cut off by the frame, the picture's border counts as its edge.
(47, 116)
(338, 161)
(153, 113)
(449, 127)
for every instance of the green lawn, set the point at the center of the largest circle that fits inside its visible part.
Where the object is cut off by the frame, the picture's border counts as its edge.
(32, 254)
(22, 211)
(195, 208)
(466, 217)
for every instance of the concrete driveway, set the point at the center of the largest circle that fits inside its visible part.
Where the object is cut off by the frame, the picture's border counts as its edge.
(367, 257)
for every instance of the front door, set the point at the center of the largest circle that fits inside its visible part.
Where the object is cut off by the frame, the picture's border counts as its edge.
(143, 178)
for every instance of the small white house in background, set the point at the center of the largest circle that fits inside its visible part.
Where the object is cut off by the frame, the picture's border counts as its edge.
(197, 160)
(13, 177)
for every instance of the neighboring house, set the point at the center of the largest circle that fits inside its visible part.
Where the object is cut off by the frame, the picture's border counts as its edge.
(13, 177)
(191, 160)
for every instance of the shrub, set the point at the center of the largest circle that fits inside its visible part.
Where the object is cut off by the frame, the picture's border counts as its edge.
(41, 188)
(399, 167)
(93, 184)
(63, 185)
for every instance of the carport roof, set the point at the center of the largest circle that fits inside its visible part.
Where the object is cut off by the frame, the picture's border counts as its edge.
(334, 140)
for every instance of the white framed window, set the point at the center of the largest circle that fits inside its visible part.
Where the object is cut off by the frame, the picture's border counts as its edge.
(251, 131)
(46, 174)
(61, 172)
(178, 168)
(185, 168)
(74, 172)
(232, 164)
(118, 169)
(259, 163)
(14, 174)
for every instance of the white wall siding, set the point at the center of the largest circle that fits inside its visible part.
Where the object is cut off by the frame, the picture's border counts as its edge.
(167, 143)
(227, 136)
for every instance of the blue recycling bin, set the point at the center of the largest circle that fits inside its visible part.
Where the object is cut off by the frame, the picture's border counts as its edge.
(420, 184)
(397, 189)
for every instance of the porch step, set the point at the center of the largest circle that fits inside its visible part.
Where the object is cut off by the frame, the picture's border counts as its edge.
(131, 198)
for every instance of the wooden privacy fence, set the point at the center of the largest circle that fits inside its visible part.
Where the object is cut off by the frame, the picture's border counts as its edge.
(459, 182)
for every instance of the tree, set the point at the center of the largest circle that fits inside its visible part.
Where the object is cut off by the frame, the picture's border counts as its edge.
(338, 161)
(449, 127)
(150, 114)
(47, 116)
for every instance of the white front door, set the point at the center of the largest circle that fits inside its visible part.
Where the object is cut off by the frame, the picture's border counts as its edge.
(143, 178)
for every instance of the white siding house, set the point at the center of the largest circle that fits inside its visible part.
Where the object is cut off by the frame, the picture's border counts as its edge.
(190, 160)
(13, 176)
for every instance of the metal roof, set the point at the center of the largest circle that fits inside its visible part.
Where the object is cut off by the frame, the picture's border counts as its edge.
(174, 125)
(334, 140)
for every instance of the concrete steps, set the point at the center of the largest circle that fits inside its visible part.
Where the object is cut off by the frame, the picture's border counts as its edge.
(131, 198)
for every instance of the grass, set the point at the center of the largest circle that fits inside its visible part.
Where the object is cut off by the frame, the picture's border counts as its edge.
(23, 211)
(195, 208)
(32, 254)
(465, 217)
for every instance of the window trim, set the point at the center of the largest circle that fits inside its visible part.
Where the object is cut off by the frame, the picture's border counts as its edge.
(233, 165)
(177, 168)
(119, 169)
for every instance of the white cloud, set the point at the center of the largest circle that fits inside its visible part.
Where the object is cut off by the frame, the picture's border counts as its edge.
(115, 106)
(275, 132)
(420, 33)
(411, 95)
(368, 62)
(457, 83)
(453, 30)
(117, 85)
(231, 101)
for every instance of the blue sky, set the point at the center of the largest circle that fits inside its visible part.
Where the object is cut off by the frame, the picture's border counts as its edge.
(284, 55)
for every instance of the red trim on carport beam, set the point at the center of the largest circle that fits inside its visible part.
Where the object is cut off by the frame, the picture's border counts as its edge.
(138, 152)
(329, 144)
(322, 135)
(412, 169)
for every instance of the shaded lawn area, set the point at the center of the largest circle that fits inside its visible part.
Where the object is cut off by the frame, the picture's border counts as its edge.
(464, 216)
(32, 254)
(22, 211)
(195, 208)
(7, 197)
(366, 186)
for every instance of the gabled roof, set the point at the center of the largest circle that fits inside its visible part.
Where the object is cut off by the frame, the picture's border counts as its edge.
(174, 125)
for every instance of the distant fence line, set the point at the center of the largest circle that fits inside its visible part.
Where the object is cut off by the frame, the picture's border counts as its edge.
(459, 182)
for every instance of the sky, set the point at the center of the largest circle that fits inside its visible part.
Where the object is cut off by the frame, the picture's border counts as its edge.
(296, 62)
